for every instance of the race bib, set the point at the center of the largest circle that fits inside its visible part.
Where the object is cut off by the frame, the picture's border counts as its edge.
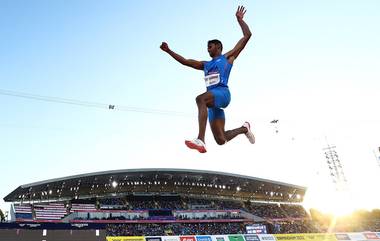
(212, 79)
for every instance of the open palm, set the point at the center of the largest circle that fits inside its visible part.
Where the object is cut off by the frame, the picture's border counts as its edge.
(240, 12)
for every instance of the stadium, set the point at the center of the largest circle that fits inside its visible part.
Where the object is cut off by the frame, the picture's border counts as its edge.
(163, 203)
(189, 120)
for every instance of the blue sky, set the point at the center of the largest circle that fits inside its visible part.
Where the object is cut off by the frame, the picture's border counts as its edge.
(311, 64)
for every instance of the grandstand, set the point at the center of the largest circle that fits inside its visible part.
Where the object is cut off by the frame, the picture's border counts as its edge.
(158, 202)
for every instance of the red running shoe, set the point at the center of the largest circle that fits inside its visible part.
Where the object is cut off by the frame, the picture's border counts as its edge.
(197, 145)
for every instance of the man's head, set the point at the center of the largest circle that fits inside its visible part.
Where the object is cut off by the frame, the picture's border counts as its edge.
(214, 48)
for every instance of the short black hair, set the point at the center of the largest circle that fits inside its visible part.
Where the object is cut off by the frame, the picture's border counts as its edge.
(217, 42)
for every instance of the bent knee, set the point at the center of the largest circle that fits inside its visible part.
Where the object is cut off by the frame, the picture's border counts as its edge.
(220, 140)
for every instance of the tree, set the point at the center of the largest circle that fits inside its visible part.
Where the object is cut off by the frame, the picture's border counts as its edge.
(2, 218)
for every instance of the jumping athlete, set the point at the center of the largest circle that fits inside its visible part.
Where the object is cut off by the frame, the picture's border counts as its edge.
(217, 96)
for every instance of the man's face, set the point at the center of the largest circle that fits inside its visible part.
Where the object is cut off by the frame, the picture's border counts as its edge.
(212, 49)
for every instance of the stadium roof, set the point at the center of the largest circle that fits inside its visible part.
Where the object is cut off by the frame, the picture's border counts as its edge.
(159, 181)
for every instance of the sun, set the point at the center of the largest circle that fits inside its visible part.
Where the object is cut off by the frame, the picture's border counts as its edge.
(327, 198)
(341, 204)
(330, 201)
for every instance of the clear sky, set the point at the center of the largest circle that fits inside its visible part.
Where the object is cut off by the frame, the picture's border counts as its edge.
(314, 65)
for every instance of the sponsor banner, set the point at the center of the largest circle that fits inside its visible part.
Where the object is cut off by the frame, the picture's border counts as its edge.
(170, 238)
(129, 238)
(266, 237)
(236, 238)
(371, 236)
(258, 237)
(306, 237)
(357, 236)
(187, 238)
(342, 236)
(219, 238)
(204, 238)
(251, 237)
(153, 238)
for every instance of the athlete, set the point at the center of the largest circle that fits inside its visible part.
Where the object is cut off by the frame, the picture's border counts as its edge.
(211, 103)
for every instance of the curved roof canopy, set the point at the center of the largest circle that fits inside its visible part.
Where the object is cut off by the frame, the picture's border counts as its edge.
(157, 182)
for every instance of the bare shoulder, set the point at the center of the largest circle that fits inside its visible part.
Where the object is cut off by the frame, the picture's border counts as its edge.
(230, 57)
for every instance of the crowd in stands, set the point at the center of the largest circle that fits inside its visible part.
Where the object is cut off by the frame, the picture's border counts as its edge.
(174, 229)
(294, 211)
(265, 210)
(174, 205)
(280, 218)
(111, 202)
(141, 204)
(294, 226)
(276, 211)
(227, 204)
(182, 203)
(60, 210)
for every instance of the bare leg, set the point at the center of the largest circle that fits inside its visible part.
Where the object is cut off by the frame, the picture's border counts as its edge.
(203, 101)
(221, 136)
(217, 128)
(231, 134)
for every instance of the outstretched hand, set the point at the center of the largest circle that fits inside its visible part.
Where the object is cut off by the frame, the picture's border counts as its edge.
(164, 46)
(240, 13)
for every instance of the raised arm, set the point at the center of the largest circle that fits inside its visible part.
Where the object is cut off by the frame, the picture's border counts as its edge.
(234, 53)
(188, 62)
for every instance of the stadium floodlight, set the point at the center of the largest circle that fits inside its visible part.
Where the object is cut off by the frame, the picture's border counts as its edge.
(114, 184)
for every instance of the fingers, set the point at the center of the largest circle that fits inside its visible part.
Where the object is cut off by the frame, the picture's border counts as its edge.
(241, 9)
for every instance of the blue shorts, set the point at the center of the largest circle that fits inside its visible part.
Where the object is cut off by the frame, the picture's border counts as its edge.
(222, 98)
